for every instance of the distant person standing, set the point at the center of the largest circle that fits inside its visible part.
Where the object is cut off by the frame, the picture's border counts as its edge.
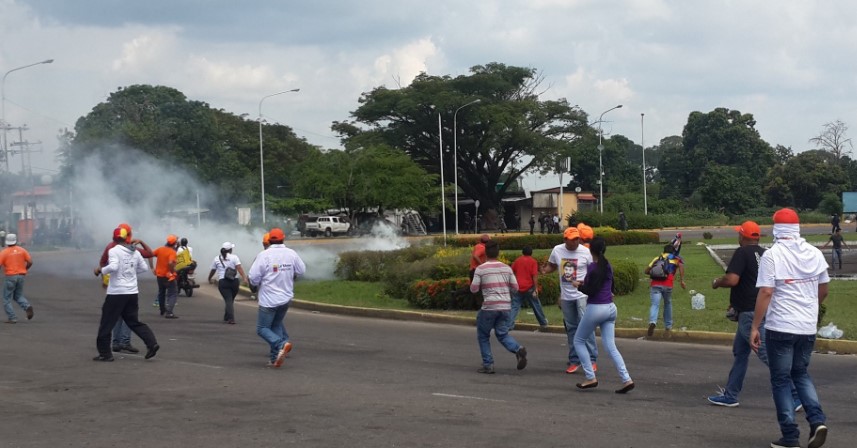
(273, 273)
(676, 244)
(496, 281)
(623, 222)
(124, 264)
(834, 223)
(532, 223)
(16, 261)
(227, 268)
(838, 241)
(740, 277)
(793, 282)
(526, 270)
(165, 271)
(542, 223)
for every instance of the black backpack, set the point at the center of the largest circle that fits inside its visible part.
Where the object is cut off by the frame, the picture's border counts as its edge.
(660, 269)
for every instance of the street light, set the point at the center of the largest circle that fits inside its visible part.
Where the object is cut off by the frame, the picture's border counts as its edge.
(3, 105)
(643, 145)
(600, 164)
(442, 193)
(261, 147)
(455, 155)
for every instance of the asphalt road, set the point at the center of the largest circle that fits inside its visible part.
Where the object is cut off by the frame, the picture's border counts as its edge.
(358, 382)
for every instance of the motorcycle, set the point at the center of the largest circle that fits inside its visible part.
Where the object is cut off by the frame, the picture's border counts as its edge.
(185, 281)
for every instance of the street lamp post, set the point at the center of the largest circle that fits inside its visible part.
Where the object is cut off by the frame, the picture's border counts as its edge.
(643, 145)
(455, 155)
(3, 105)
(600, 163)
(261, 147)
(442, 192)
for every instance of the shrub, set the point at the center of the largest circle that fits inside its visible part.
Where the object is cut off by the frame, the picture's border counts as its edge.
(548, 241)
(625, 276)
(707, 235)
(371, 266)
(438, 294)
(398, 278)
(548, 288)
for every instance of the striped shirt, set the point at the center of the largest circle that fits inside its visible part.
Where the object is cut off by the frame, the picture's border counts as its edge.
(497, 281)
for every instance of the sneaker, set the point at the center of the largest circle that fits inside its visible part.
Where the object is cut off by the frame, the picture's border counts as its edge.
(573, 368)
(129, 349)
(723, 400)
(486, 369)
(170, 316)
(798, 407)
(29, 312)
(817, 435)
(152, 351)
(11, 321)
(156, 304)
(521, 354)
(103, 358)
(281, 356)
(117, 349)
(783, 444)
(651, 330)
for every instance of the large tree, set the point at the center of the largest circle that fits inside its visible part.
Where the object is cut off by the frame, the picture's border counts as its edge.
(804, 179)
(833, 139)
(508, 132)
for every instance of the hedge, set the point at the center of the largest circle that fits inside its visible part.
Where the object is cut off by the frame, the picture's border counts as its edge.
(548, 241)
(371, 266)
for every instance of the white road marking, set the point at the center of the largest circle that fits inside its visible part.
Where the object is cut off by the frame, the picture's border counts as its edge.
(466, 397)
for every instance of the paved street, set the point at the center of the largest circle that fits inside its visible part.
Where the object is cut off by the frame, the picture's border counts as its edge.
(358, 382)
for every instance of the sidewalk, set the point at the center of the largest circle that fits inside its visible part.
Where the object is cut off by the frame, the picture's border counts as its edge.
(832, 346)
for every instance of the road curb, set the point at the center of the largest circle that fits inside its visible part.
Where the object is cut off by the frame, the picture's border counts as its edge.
(696, 337)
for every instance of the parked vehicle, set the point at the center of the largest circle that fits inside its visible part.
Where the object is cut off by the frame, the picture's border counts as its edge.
(326, 225)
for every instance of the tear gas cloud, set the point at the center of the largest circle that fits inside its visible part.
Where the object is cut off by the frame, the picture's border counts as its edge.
(163, 201)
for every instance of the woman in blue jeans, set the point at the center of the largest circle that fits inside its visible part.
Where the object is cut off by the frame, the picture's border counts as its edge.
(600, 312)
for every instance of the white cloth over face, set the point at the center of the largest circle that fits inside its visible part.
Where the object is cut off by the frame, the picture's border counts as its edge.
(794, 257)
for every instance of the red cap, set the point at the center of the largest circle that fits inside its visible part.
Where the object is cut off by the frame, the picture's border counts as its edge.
(749, 229)
(127, 227)
(277, 234)
(120, 234)
(786, 216)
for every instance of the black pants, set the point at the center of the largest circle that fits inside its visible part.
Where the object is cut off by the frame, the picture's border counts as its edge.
(125, 307)
(228, 290)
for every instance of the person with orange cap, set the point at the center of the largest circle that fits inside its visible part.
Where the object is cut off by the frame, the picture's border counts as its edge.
(124, 264)
(121, 332)
(165, 271)
(274, 272)
(15, 260)
(793, 283)
(740, 277)
(586, 234)
(572, 259)
(266, 240)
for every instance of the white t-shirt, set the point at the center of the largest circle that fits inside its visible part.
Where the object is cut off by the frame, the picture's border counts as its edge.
(571, 265)
(220, 264)
(123, 266)
(794, 305)
(274, 272)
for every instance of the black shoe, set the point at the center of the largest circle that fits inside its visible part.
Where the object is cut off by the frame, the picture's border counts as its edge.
(170, 316)
(651, 330)
(129, 349)
(117, 349)
(782, 443)
(486, 369)
(521, 354)
(152, 351)
(29, 309)
(103, 358)
(817, 435)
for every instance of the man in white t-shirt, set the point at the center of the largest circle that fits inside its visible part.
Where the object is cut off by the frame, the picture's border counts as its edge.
(792, 283)
(571, 259)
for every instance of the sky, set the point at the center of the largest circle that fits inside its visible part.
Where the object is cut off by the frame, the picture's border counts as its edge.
(791, 63)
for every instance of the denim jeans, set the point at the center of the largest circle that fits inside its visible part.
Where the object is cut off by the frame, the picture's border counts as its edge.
(14, 290)
(518, 298)
(167, 294)
(497, 320)
(656, 293)
(788, 359)
(604, 316)
(572, 312)
(836, 254)
(121, 334)
(270, 327)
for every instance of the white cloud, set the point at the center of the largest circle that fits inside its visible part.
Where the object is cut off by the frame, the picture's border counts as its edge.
(406, 62)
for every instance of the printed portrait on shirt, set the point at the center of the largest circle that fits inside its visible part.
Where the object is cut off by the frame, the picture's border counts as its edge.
(569, 269)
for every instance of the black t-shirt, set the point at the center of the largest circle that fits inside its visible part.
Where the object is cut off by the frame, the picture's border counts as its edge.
(837, 241)
(745, 264)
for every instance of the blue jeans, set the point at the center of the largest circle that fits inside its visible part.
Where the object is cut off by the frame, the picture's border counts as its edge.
(604, 316)
(572, 312)
(497, 320)
(518, 298)
(788, 359)
(270, 327)
(167, 295)
(121, 334)
(14, 290)
(836, 254)
(656, 293)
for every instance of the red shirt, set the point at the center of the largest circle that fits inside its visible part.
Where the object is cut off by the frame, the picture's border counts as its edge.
(525, 267)
(478, 254)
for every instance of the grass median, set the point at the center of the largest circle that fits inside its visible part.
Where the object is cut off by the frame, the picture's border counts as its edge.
(700, 269)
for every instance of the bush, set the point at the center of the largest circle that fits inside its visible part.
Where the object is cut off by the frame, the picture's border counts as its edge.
(371, 266)
(398, 278)
(625, 276)
(438, 294)
(707, 235)
(548, 241)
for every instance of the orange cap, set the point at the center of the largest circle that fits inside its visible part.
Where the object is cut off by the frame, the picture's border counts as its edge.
(586, 232)
(749, 229)
(571, 233)
(127, 228)
(266, 238)
(277, 234)
(786, 216)
(171, 239)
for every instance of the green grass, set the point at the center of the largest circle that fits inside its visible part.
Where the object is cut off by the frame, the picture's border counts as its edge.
(700, 269)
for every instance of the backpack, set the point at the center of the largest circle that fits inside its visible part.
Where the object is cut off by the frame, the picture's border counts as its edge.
(660, 269)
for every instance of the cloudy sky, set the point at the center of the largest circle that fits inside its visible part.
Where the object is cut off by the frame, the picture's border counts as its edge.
(791, 63)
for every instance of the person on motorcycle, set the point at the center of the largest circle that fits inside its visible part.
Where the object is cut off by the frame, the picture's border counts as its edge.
(185, 268)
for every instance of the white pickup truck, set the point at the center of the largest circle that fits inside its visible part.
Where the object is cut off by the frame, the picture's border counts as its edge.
(326, 225)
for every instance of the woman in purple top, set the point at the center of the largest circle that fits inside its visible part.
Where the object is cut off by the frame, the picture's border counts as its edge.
(600, 312)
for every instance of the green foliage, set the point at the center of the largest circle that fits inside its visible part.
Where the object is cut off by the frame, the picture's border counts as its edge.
(831, 204)
(707, 235)
(509, 242)
(804, 178)
(677, 218)
(438, 294)
(372, 266)
(625, 276)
